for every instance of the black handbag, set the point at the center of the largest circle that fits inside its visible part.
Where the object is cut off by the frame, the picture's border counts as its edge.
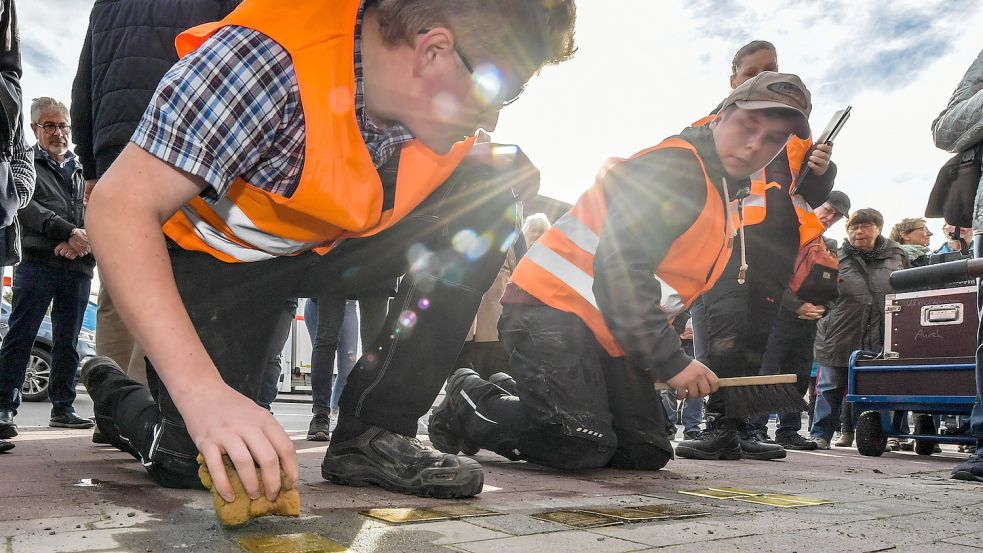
(954, 194)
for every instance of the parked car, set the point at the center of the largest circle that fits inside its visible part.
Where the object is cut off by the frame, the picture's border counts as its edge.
(39, 364)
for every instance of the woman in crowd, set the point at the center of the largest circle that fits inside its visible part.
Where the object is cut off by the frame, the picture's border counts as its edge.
(856, 319)
(913, 236)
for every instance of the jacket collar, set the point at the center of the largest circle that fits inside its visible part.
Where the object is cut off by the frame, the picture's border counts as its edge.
(41, 155)
(702, 139)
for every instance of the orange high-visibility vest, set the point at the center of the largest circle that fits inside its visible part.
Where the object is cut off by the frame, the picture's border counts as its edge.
(755, 208)
(340, 193)
(558, 269)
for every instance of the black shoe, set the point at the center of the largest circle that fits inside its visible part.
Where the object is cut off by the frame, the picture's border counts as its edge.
(401, 464)
(69, 419)
(753, 448)
(971, 469)
(763, 437)
(796, 442)
(99, 438)
(722, 442)
(906, 445)
(505, 382)
(6, 446)
(443, 428)
(320, 428)
(691, 434)
(7, 427)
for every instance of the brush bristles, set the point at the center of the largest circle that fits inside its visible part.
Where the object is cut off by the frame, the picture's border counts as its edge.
(741, 402)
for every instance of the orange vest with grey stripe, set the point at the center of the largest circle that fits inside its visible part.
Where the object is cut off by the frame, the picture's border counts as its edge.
(755, 206)
(558, 269)
(339, 194)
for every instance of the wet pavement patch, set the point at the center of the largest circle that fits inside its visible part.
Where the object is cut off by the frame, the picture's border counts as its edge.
(291, 543)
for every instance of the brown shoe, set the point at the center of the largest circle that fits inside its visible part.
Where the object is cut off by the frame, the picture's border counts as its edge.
(846, 440)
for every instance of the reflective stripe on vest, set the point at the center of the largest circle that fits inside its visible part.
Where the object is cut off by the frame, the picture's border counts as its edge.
(558, 269)
(339, 193)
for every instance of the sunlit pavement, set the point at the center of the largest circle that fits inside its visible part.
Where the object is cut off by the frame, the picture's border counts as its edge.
(60, 492)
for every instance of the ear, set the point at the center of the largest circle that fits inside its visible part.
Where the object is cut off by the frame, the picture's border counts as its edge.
(433, 49)
(733, 81)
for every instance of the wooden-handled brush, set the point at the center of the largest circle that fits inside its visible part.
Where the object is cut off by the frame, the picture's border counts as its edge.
(750, 396)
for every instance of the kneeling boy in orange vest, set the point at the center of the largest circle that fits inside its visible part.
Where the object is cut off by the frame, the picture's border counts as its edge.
(583, 324)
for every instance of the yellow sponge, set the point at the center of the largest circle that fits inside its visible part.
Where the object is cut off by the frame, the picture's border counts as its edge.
(243, 509)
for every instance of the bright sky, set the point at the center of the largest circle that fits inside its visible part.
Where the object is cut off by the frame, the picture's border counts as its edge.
(647, 68)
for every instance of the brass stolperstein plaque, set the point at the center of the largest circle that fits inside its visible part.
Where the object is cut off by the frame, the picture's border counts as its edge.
(644, 513)
(291, 543)
(578, 519)
(784, 501)
(407, 515)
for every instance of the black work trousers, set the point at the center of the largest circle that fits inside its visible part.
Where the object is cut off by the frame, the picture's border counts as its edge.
(450, 250)
(576, 407)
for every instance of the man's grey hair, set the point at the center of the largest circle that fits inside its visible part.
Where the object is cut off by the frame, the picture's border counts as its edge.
(536, 219)
(44, 103)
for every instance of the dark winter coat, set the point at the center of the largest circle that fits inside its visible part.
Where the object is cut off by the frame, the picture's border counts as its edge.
(856, 319)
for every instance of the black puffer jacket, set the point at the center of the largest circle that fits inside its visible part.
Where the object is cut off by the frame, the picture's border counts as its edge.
(51, 216)
(128, 47)
(856, 319)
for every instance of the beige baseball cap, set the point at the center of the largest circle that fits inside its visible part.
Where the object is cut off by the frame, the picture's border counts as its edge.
(768, 90)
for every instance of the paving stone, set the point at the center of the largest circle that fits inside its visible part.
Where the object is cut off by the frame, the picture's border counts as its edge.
(79, 540)
(518, 524)
(971, 539)
(558, 541)
(669, 532)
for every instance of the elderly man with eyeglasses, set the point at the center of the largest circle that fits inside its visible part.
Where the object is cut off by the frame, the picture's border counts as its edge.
(56, 270)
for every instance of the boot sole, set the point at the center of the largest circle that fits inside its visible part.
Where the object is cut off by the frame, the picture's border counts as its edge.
(764, 456)
(730, 454)
(799, 447)
(466, 480)
(8, 432)
(317, 437)
(79, 426)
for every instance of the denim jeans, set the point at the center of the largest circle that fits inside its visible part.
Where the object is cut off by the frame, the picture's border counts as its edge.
(36, 286)
(332, 323)
(278, 339)
(692, 410)
(829, 401)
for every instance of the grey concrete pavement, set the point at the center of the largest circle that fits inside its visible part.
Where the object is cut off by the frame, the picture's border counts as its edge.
(62, 493)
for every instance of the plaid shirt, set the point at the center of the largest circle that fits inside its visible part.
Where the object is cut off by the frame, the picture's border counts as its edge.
(232, 108)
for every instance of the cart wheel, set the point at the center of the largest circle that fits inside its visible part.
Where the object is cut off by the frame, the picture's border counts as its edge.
(871, 440)
(924, 424)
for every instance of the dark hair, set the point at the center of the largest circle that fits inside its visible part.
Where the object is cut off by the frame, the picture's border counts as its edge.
(531, 34)
(866, 215)
(747, 50)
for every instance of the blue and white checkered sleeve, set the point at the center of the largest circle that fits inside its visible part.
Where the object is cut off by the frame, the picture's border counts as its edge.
(216, 113)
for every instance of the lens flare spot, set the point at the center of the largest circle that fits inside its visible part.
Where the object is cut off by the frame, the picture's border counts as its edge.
(407, 319)
(464, 240)
(509, 240)
(423, 304)
(488, 82)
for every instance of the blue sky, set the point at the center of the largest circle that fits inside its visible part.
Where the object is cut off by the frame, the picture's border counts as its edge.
(647, 68)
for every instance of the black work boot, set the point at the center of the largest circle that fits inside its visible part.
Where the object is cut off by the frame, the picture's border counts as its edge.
(752, 447)
(796, 442)
(720, 441)
(6, 446)
(401, 464)
(8, 429)
(444, 426)
(505, 382)
(320, 427)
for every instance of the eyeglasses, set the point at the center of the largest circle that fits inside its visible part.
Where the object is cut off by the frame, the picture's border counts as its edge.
(861, 226)
(470, 67)
(50, 128)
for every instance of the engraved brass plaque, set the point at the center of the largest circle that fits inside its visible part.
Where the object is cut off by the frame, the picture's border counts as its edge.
(405, 515)
(291, 543)
(463, 511)
(578, 519)
(783, 501)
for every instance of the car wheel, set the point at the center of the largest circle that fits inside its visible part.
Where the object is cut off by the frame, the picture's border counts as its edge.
(38, 372)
